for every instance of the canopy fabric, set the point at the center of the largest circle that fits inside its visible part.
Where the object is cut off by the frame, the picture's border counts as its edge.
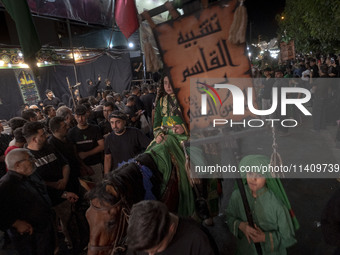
(118, 71)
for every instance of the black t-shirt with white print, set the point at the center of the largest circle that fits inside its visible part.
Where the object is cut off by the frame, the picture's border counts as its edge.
(50, 165)
(86, 140)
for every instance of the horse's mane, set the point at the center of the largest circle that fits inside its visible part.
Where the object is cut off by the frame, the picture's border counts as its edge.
(127, 180)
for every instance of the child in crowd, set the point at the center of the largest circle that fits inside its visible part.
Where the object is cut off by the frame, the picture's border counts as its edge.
(275, 223)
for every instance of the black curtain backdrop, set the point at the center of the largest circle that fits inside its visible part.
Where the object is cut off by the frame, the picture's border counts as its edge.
(118, 71)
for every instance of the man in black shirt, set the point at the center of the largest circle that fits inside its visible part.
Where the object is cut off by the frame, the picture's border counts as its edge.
(49, 112)
(152, 230)
(108, 85)
(135, 92)
(89, 143)
(131, 111)
(92, 89)
(54, 170)
(26, 211)
(104, 125)
(64, 147)
(123, 143)
(67, 149)
(51, 100)
(148, 101)
(51, 167)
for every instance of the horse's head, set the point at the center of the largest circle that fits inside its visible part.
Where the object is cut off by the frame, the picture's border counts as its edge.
(110, 203)
(107, 218)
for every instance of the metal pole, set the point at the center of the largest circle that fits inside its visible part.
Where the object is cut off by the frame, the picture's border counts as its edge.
(71, 46)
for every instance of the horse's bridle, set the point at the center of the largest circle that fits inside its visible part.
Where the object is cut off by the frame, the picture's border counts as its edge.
(119, 243)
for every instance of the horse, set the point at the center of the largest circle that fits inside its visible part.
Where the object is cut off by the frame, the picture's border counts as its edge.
(112, 199)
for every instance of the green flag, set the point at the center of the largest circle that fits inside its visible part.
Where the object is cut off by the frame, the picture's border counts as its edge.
(28, 37)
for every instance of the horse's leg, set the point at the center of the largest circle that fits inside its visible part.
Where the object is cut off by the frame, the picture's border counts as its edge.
(64, 211)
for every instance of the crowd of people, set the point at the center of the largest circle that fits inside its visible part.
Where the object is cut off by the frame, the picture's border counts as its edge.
(52, 145)
(305, 73)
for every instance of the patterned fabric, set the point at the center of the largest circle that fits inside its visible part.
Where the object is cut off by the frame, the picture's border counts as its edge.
(166, 115)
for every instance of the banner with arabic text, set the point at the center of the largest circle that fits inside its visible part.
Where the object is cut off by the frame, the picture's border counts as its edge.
(197, 46)
(27, 86)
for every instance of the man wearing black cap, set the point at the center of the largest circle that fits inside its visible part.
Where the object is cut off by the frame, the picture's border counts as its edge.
(123, 143)
(51, 100)
(89, 142)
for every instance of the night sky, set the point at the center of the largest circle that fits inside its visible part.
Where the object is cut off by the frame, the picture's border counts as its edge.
(261, 13)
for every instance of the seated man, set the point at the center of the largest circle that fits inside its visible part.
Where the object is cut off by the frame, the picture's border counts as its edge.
(152, 230)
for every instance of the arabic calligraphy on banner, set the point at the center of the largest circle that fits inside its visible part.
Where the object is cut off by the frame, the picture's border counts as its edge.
(27, 86)
(197, 46)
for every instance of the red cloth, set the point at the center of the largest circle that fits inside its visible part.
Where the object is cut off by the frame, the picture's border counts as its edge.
(126, 16)
(8, 150)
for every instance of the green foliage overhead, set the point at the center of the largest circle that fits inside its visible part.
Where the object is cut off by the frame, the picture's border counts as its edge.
(313, 24)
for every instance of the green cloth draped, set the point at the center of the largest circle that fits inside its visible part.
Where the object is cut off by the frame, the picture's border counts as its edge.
(269, 210)
(269, 214)
(170, 151)
(167, 153)
(274, 184)
(28, 36)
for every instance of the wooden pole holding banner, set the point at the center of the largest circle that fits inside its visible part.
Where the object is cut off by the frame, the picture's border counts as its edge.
(155, 11)
(71, 45)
